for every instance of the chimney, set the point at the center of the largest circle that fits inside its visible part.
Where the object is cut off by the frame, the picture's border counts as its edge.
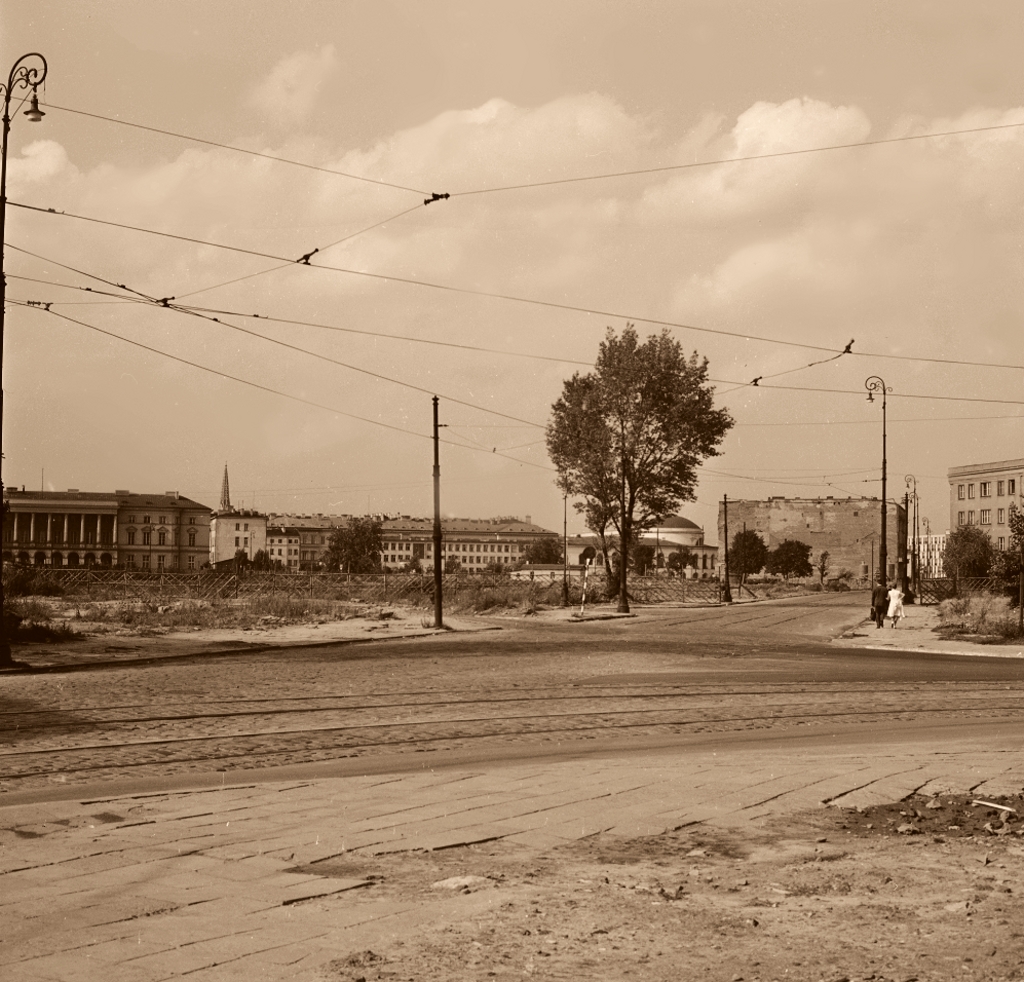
(529, 521)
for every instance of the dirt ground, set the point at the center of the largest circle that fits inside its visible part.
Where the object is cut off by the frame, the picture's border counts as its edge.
(923, 889)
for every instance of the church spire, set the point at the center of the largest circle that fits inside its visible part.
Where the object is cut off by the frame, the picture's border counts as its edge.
(225, 493)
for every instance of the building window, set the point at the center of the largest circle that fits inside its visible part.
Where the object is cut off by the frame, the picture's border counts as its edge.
(986, 516)
(1000, 488)
(145, 561)
(1011, 486)
(237, 542)
(986, 489)
(191, 538)
(145, 519)
(146, 537)
(1002, 543)
(960, 492)
(191, 562)
(163, 520)
(131, 537)
(970, 518)
(130, 561)
(192, 520)
(246, 543)
(238, 527)
(160, 563)
(161, 538)
(246, 527)
(1001, 516)
(970, 490)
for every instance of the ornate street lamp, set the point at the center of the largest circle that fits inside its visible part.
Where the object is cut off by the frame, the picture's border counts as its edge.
(25, 74)
(875, 384)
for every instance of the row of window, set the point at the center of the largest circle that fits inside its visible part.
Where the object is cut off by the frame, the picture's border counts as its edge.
(161, 538)
(162, 520)
(984, 517)
(985, 489)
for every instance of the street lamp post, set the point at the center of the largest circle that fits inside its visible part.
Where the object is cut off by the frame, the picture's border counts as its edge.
(915, 559)
(25, 74)
(875, 384)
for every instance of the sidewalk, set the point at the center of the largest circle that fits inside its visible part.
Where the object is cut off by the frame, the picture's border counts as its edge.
(916, 632)
(99, 649)
(218, 884)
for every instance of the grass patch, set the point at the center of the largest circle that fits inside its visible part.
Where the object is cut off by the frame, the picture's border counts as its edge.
(982, 615)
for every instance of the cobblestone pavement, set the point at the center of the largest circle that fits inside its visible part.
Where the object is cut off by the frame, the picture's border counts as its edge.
(533, 737)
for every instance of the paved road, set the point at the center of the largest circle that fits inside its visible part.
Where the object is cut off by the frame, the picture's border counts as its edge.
(539, 689)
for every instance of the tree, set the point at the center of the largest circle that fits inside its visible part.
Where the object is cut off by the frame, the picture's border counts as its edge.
(452, 564)
(414, 565)
(747, 554)
(642, 557)
(547, 549)
(681, 558)
(627, 438)
(356, 547)
(790, 558)
(261, 560)
(968, 552)
(823, 565)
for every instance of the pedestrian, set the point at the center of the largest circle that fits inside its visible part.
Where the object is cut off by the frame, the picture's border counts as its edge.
(879, 604)
(895, 604)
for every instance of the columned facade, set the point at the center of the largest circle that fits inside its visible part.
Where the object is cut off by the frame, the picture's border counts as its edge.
(87, 529)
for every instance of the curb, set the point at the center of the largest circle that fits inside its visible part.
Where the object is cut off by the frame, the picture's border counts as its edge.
(23, 668)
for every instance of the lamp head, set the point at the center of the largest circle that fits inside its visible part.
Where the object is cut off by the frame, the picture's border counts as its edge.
(34, 113)
(871, 397)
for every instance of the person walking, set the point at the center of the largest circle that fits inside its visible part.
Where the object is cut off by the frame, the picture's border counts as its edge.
(895, 604)
(879, 604)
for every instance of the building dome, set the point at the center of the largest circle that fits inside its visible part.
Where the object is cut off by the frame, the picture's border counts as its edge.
(678, 522)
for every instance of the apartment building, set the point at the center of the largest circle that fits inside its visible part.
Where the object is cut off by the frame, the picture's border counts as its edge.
(475, 543)
(981, 495)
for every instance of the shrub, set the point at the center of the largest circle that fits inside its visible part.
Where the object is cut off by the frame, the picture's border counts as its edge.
(25, 581)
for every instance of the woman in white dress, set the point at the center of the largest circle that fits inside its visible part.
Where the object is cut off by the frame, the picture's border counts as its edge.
(895, 612)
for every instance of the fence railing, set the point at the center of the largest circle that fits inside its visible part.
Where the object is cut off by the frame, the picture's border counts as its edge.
(935, 590)
(97, 584)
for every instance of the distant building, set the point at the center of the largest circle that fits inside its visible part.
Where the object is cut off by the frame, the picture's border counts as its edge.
(848, 529)
(672, 535)
(930, 548)
(476, 543)
(981, 494)
(233, 529)
(94, 528)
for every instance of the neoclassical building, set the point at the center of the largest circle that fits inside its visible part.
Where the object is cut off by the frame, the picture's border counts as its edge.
(118, 528)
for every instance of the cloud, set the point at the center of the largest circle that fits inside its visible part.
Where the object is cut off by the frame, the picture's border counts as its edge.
(287, 94)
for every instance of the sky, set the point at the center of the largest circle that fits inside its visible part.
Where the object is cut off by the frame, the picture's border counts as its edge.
(346, 116)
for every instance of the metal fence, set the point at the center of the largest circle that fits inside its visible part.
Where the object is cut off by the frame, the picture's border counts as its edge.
(934, 591)
(417, 589)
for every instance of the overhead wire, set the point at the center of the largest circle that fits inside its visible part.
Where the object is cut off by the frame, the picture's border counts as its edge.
(261, 387)
(533, 301)
(690, 165)
(228, 146)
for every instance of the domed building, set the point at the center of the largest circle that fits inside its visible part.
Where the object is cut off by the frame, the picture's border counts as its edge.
(679, 534)
(675, 534)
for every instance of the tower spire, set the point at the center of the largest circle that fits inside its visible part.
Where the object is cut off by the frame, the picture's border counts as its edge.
(225, 493)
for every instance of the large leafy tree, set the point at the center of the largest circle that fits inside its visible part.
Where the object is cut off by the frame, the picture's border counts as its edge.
(547, 549)
(790, 558)
(747, 554)
(968, 552)
(627, 438)
(356, 547)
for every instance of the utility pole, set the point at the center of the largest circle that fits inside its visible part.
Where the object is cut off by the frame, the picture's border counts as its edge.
(28, 72)
(565, 550)
(438, 568)
(906, 528)
(727, 592)
(876, 384)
